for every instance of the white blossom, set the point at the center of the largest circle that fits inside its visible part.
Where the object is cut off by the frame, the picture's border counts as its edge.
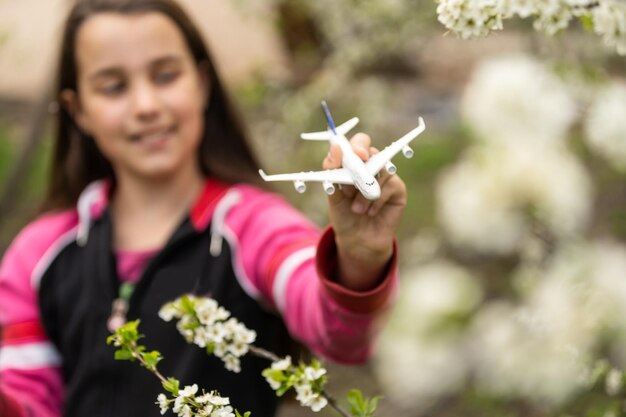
(318, 403)
(188, 391)
(418, 336)
(313, 374)
(206, 309)
(163, 403)
(477, 211)
(186, 411)
(179, 402)
(232, 363)
(521, 8)
(187, 404)
(614, 381)
(304, 392)
(516, 99)
(441, 362)
(513, 356)
(218, 400)
(553, 16)
(477, 18)
(223, 412)
(606, 124)
(168, 312)
(308, 397)
(238, 349)
(470, 18)
(282, 364)
(201, 337)
(210, 325)
(609, 21)
(520, 113)
(432, 293)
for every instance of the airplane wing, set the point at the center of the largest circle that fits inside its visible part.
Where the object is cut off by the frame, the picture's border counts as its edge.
(327, 134)
(378, 161)
(336, 176)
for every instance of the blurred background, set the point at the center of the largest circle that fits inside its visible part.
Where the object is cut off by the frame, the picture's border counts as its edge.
(513, 243)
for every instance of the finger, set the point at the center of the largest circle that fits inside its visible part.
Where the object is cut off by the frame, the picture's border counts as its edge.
(360, 204)
(361, 143)
(393, 192)
(349, 191)
(333, 158)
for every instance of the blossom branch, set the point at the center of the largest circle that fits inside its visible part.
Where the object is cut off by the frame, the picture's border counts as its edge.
(184, 401)
(203, 322)
(477, 18)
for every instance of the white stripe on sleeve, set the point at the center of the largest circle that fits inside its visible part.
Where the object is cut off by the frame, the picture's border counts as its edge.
(285, 271)
(29, 356)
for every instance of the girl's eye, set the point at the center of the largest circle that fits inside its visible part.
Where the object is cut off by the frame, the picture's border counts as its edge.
(164, 77)
(113, 88)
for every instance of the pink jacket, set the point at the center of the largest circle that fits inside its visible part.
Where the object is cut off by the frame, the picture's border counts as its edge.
(280, 259)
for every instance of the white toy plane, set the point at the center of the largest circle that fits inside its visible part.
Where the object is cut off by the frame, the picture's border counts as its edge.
(354, 171)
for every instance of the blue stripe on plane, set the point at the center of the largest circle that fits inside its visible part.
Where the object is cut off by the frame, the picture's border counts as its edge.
(331, 123)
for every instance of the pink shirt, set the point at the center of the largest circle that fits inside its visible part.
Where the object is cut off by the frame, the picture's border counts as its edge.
(131, 264)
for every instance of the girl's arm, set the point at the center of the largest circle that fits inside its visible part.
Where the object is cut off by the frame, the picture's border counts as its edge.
(290, 265)
(30, 377)
(9, 407)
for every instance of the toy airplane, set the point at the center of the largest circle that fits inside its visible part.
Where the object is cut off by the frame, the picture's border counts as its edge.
(354, 171)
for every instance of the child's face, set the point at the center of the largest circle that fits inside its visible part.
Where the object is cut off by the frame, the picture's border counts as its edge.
(140, 94)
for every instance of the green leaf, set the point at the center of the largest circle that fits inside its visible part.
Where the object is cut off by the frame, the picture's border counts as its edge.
(358, 407)
(282, 390)
(246, 414)
(274, 374)
(172, 385)
(128, 333)
(124, 355)
(372, 404)
(587, 22)
(187, 305)
(152, 359)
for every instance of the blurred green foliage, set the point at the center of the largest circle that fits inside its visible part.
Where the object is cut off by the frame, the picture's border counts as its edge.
(29, 195)
(7, 152)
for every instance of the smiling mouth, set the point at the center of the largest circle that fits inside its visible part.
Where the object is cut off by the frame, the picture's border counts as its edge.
(154, 136)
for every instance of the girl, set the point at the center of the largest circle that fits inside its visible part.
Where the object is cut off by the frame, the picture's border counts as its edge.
(152, 185)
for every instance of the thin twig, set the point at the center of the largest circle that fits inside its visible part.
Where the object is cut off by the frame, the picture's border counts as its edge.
(138, 356)
(264, 353)
(334, 404)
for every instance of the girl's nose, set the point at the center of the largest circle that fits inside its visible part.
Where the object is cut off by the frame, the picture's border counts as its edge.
(145, 101)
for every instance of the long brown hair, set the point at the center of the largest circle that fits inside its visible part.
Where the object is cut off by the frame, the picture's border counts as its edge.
(224, 152)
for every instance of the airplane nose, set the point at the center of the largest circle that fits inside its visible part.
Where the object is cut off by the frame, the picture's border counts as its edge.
(373, 193)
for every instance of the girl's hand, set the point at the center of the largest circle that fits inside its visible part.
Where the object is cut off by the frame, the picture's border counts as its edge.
(364, 229)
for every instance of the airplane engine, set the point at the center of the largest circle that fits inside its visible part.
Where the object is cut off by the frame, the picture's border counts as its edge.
(300, 186)
(408, 152)
(391, 168)
(329, 188)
